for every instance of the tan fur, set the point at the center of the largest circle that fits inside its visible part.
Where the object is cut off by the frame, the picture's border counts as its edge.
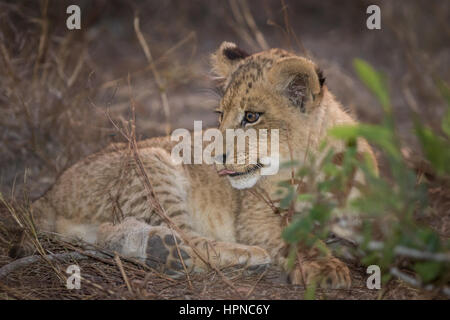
(102, 199)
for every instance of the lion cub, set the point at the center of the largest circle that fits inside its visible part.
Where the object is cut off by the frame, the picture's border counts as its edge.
(101, 199)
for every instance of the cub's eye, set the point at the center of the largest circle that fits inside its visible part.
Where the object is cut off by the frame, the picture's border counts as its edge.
(220, 113)
(251, 117)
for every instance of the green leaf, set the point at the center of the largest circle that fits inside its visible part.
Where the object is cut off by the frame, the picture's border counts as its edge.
(444, 90)
(287, 200)
(428, 270)
(380, 135)
(345, 132)
(292, 257)
(374, 81)
(446, 122)
(302, 172)
(321, 212)
(436, 149)
(297, 230)
(285, 184)
(289, 164)
(305, 197)
(426, 239)
(310, 293)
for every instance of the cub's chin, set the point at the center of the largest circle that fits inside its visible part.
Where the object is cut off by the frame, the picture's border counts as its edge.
(244, 181)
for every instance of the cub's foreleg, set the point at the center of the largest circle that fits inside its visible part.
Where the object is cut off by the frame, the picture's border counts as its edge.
(162, 248)
(157, 246)
(146, 235)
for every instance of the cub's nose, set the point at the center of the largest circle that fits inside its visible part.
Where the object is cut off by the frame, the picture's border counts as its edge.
(221, 158)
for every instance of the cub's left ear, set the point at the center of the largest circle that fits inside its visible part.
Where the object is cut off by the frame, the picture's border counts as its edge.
(226, 58)
(299, 80)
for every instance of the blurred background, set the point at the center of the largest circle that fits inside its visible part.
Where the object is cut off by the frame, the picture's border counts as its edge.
(58, 87)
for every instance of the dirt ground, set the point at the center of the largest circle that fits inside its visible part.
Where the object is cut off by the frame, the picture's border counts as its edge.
(102, 278)
(57, 87)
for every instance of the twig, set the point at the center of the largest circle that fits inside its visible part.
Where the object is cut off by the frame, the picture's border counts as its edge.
(267, 201)
(416, 283)
(257, 281)
(23, 262)
(252, 25)
(122, 271)
(300, 264)
(170, 51)
(101, 253)
(290, 32)
(42, 40)
(241, 30)
(410, 252)
(154, 203)
(96, 285)
(77, 69)
(182, 260)
(148, 55)
(28, 226)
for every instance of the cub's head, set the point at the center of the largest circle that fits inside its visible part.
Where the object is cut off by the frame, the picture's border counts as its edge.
(268, 90)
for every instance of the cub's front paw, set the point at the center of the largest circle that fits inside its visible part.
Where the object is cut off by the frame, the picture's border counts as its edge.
(326, 272)
(257, 262)
(169, 254)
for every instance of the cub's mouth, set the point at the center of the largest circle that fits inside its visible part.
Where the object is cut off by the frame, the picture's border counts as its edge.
(232, 173)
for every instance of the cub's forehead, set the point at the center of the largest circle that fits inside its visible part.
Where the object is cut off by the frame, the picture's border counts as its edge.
(252, 71)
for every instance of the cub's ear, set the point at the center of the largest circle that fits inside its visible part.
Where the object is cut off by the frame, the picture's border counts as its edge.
(299, 80)
(226, 58)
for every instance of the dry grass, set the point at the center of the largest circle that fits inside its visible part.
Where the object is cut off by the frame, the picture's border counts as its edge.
(103, 277)
(57, 88)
